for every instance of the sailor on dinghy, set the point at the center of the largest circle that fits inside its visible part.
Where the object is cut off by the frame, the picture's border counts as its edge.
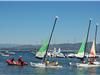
(44, 50)
(53, 63)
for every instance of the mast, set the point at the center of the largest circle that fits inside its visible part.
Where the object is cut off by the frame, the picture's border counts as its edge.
(50, 38)
(96, 32)
(95, 35)
(87, 35)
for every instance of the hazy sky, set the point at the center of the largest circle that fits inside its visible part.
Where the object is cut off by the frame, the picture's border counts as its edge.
(49, 0)
(31, 22)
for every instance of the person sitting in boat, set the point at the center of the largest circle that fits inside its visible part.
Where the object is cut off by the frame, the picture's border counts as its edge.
(46, 62)
(13, 61)
(53, 63)
(83, 61)
(20, 60)
(90, 61)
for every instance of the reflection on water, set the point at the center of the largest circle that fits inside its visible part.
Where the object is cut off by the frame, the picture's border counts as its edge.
(41, 71)
(92, 71)
(87, 71)
(80, 71)
(44, 71)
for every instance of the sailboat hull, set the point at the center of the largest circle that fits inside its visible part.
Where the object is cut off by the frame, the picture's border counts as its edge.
(88, 65)
(39, 58)
(43, 65)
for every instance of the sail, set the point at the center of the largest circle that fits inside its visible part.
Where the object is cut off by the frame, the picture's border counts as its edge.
(93, 50)
(54, 50)
(80, 53)
(82, 50)
(42, 50)
(59, 50)
(50, 38)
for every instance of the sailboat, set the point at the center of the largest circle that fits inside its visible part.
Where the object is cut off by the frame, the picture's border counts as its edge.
(59, 54)
(93, 48)
(53, 53)
(81, 53)
(82, 50)
(92, 56)
(44, 50)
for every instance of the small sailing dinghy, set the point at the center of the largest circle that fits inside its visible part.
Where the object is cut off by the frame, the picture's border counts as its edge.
(59, 54)
(82, 50)
(56, 53)
(81, 53)
(42, 53)
(92, 57)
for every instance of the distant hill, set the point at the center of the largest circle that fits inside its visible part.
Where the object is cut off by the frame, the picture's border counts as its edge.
(65, 46)
(8, 45)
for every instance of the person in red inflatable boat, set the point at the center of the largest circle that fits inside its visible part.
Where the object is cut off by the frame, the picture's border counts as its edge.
(20, 61)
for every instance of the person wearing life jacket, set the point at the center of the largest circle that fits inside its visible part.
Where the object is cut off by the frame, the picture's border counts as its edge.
(13, 61)
(56, 63)
(20, 61)
(82, 60)
(47, 62)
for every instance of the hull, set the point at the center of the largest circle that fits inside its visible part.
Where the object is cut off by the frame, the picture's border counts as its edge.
(60, 55)
(16, 63)
(43, 65)
(95, 64)
(6, 55)
(87, 65)
(39, 57)
(70, 55)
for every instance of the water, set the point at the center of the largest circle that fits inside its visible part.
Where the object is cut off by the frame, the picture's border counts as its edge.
(6, 69)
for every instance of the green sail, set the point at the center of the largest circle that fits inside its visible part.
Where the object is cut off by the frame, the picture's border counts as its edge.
(81, 51)
(42, 50)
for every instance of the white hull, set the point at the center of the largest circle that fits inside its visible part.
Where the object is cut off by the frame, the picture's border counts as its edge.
(7, 52)
(59, 55)
(70, 55)
(95, 64)
(11, 53)
(87, 65)
(6, 55)
(42, 65)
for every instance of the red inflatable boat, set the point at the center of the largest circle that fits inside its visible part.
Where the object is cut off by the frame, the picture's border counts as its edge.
(16, 63)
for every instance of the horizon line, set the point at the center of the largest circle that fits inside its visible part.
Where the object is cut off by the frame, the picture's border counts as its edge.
(42, 43)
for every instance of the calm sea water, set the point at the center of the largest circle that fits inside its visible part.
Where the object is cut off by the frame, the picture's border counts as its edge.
(6, 69)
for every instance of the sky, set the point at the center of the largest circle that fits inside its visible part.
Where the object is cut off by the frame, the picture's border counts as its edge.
(24, 22)
(49, 0)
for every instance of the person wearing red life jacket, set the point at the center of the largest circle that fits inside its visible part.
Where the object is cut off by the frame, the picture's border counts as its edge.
(20, 61)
